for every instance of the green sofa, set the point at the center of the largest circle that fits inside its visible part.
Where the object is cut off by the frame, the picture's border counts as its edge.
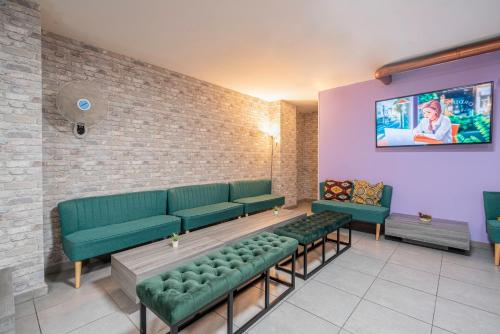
(255, 195)
(202, 205)
(492, 212)
(360, 212)
(100, 225)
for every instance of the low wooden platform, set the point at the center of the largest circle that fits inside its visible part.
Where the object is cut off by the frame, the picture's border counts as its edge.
(439, 233)
(132, 266)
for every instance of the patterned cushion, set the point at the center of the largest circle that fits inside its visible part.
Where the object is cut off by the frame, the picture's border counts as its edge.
(338, 190)
(365, 193)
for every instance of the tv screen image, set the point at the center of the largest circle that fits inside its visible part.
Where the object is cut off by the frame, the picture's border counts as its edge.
(453, 116)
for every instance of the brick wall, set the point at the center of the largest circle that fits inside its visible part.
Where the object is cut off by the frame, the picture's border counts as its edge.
(307, 155)
(21, 233)
(163, 129)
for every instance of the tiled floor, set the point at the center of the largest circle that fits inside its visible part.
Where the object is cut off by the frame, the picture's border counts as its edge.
(375, 287)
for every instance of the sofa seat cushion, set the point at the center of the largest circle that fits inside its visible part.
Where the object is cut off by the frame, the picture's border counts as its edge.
(208, 214)
(493, 227)
(96, 241)
(261, 202)
(178, 293)
(360, 212)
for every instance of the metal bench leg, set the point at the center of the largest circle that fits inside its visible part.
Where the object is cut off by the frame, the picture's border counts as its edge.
(266, 289)
(305, 262)
(323, 251)
(294, 258)
(338, 240)
(143, 319)
(230, 305)
(350, 234)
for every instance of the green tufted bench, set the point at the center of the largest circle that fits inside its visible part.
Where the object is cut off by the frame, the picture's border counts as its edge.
(181, 295)
(313, 228)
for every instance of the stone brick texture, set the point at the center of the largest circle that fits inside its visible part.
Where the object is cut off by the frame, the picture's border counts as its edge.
(21, 225)
(307, 155)
(163, 129)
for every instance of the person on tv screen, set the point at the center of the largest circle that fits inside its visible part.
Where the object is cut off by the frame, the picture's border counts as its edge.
(434, 124)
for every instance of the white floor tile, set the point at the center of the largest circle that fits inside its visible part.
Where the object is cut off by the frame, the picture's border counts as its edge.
(364, 264)
(426, 261)
(478, 259)
(25, 309)
(27, 325)
(414, 303)
(381, 249)
(115, 323)
(413, 278)
(289, 319)
(437, 330)
(154, 324)
(483, 298)
(370, 318)
(348, 280)
(489, 279)
(324, 301)
(462, 319)
(75, 312)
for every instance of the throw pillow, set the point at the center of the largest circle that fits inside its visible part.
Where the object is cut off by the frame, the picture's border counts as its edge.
(365, 193)
(338, 190)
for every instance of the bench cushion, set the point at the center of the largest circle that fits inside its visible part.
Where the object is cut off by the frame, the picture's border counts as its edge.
(88, 243)
(208, 214)
(493, 228)
(313, 227)
(261, 202)
(360, 212)
(183, 291)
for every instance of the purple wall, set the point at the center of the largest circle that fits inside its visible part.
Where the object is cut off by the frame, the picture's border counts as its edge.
(444, 181)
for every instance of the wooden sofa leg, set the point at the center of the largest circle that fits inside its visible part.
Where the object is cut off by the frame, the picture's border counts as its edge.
(78, 273)
(377, 233)
(497, 254)
(246, 214)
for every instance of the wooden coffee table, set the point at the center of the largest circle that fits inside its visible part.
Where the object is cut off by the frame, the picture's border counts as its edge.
(134, 265)
(439, 233)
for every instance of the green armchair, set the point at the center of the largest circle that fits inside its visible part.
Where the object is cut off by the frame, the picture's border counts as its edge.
(492, 212)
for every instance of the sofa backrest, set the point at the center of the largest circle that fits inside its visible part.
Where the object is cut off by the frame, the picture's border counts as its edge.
(385, 201)
(90, 212)
(491, 201)
(188, 197)
(249, 188)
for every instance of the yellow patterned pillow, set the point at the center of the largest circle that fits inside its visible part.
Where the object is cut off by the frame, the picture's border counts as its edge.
(365, 193)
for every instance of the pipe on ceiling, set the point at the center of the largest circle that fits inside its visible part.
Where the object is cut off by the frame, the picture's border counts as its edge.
(385, 72)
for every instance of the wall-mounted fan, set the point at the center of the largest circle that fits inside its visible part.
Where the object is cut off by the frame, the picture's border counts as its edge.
(83, 104)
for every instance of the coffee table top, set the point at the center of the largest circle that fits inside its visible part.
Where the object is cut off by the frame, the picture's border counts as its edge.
(154, 258)
(435, 223)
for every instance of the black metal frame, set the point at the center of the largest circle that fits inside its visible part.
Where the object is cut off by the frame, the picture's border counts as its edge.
(229, 297)
(323, 240)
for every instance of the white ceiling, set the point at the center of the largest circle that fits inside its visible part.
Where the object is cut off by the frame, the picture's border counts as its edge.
(274, 49)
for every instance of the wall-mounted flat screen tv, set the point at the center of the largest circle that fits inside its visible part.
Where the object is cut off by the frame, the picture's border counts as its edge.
(453, 116)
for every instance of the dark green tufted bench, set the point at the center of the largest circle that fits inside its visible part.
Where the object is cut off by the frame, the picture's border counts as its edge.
(316, 227)
(181, 295)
